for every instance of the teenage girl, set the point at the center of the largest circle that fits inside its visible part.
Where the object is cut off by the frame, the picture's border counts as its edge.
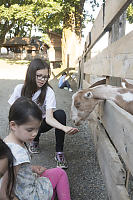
(37, 88)
(32, 182)
(6, 168)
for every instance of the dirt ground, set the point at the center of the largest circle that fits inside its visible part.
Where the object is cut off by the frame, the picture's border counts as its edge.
(84, 174)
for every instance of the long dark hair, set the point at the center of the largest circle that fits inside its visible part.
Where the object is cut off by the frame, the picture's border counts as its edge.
(5, 152)
(30, 86)
(23, 109)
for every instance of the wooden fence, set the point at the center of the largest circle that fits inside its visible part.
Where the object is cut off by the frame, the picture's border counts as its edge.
(112, 127)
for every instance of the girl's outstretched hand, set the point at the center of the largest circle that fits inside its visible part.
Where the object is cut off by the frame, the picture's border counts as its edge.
(38, 169)
(70, 130)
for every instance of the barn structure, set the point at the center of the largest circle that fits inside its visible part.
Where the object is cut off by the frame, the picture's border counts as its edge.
(29, 48)
(25, 48)
(55, 50)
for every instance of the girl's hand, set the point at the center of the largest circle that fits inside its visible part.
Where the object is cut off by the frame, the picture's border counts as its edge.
(70, 130)
(38, 169)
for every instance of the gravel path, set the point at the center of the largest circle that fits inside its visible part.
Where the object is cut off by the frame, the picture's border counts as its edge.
(84, 174)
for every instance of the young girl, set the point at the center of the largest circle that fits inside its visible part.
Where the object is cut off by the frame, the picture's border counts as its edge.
(36, 87)
(32, 182)
(6, 168)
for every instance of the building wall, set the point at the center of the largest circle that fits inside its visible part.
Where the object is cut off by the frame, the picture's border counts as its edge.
(70, 48)
(55, 51)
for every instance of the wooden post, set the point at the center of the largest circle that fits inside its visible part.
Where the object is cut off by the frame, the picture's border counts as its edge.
(67, 64)
(117, 31)
(86, 77)
(107, 80)
(127, 179)
(81, 77)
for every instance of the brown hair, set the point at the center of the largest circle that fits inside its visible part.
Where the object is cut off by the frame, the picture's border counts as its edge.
(5, 152)
(30, 86)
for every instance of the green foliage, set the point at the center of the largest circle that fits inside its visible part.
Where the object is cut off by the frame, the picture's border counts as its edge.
(19, 16)
(47, 16)
(16, 12)
(130, 13)
(45, 38)
(15, 15)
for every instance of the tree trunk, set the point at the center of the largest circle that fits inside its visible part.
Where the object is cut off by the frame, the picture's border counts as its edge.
(5, 28)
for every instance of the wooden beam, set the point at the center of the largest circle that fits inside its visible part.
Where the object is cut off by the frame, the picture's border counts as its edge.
(112, 14)
(96, 32)
(64, 70)
(117, 31)
(113, 10)
(108, 158)
(111, 167)
(119, 125)
(116, 60)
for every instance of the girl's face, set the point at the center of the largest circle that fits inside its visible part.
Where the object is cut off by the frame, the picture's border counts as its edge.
(3, 166)
(25, 132)
(41, 77)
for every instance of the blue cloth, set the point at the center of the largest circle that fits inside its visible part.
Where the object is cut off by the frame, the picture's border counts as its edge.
(62, 79)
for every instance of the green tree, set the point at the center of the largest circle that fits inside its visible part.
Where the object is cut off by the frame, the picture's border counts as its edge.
(14, 14)
(63, 16)
(19, 16)
(130, 13)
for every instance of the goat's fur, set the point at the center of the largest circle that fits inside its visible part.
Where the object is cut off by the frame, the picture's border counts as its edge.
(84, 101)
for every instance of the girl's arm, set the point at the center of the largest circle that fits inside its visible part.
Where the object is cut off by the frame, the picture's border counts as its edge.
(3, 195)
(3, 189)
(38, 169)
(54, 123)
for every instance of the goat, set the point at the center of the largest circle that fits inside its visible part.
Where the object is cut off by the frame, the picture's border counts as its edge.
(84, 101)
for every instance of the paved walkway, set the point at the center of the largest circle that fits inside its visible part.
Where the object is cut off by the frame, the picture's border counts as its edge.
(84, 174)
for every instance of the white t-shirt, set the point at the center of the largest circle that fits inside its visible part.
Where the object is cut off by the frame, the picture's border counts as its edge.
(49, 102)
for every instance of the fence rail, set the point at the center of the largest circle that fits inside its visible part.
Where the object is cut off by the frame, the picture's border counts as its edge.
(112, 133)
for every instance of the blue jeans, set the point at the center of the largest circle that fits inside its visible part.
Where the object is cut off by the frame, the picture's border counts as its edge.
(65, 84)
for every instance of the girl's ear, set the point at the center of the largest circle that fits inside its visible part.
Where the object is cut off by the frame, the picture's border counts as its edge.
(12, 125)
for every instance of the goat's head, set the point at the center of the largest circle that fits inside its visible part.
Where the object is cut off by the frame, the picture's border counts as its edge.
(83, 103)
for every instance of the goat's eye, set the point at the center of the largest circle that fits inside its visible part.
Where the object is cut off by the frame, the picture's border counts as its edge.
(77, 104)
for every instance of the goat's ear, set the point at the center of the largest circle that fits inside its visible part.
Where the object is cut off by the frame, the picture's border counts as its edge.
(88, 95)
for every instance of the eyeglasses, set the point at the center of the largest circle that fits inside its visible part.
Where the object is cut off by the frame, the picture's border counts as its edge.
(43, 78)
